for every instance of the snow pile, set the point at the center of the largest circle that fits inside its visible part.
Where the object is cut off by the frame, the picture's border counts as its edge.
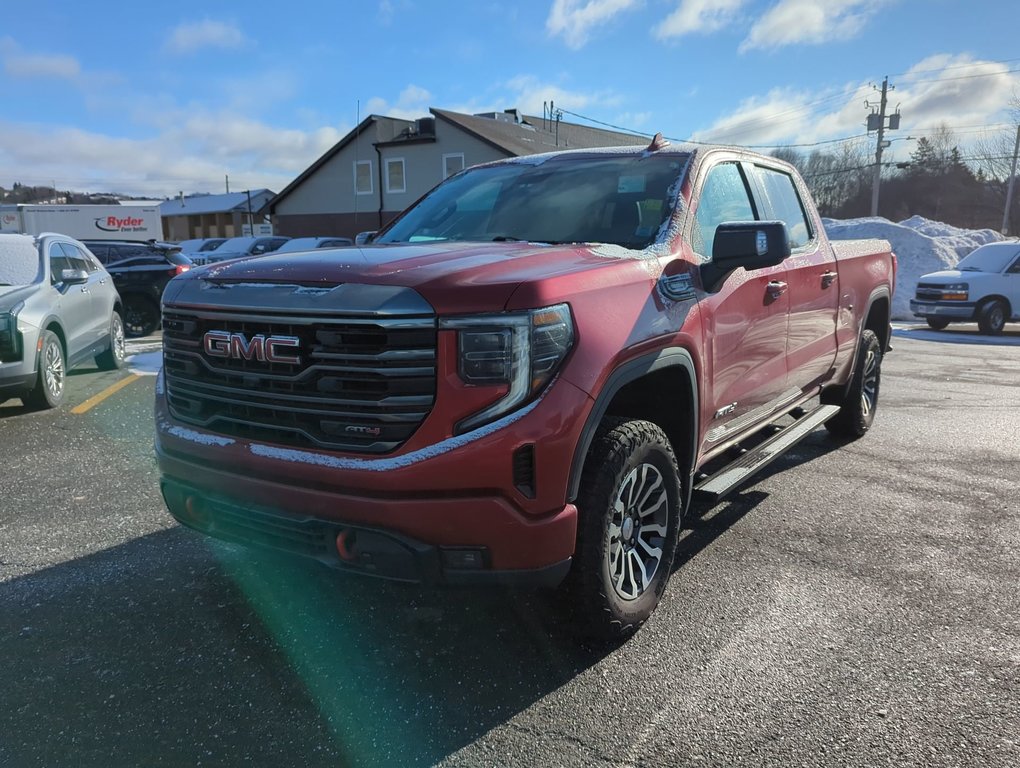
(921, 246)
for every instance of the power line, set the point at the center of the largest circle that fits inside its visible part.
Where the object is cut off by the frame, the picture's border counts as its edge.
(953, 66)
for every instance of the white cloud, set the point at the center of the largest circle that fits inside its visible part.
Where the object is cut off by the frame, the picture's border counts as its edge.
(413, 102)
(954, 90)
(527, 92)
(810, 21)
(574, 19)
(189, 37)
(18, 63)
(703, 16)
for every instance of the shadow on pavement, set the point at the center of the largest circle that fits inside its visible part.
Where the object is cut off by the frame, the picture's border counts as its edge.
(170, 650)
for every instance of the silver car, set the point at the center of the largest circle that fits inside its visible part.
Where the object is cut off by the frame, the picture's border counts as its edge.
(58, 308)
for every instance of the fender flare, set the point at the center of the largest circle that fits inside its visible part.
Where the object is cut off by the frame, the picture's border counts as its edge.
(628, 372)
(882, 292)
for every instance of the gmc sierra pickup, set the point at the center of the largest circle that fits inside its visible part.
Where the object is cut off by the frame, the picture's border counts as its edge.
(526, 376)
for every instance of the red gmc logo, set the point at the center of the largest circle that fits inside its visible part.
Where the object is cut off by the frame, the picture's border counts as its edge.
(264, 349)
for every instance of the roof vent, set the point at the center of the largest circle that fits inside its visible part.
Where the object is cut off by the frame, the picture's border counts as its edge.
(425, 126)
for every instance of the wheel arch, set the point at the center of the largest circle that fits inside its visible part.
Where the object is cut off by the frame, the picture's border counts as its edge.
(877, 318)
(1010, 309)
(53, 324)
(636, 389)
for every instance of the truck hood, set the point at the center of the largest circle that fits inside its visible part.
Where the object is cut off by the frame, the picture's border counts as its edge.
(454, 277)
(946, 276)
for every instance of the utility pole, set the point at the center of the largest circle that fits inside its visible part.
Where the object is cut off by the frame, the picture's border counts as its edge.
(227, 180)
(1009, 189)
(882, 144)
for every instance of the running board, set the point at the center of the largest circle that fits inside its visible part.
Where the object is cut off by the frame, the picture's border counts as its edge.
(713, 488)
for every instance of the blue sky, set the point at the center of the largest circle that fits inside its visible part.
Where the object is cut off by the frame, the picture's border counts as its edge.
(152, 98)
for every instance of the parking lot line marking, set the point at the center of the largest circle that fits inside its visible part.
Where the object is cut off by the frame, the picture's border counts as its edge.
(95, 400)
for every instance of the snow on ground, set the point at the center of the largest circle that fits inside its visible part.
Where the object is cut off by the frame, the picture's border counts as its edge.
(921, 246)
(145, 363)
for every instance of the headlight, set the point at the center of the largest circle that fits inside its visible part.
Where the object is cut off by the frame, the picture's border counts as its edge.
(10, 339)
(522, 350)
(955, 291)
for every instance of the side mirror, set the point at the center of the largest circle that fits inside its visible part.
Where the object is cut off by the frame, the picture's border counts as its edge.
(364, 238)
(748, 244)
(74, 276)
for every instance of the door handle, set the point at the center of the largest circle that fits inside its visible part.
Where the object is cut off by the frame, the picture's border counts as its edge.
(84, 289)
(828, 278)
(776, 288)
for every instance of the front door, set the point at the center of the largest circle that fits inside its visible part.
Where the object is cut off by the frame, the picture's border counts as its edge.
(744, 319)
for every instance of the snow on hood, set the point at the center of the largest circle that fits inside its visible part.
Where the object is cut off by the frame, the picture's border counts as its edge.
(922, 246)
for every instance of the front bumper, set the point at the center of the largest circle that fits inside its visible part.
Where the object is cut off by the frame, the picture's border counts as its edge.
(427, 500)
(353, 548)
(946, 309)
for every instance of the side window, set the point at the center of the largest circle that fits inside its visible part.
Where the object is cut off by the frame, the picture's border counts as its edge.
(786, 206)
(723, 198)
(101, 252)
(1014, 268)
(58, 263)
(77, 258)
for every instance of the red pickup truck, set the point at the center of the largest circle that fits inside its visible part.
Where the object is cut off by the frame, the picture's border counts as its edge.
(526, 376)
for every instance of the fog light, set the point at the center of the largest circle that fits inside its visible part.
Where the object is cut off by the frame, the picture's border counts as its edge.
(463, 559)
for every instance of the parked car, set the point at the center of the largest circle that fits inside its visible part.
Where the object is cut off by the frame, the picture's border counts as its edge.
(58, 308)
(200, 244)
(985, 286)
(140, 271)
(238, 247)
(313, 243)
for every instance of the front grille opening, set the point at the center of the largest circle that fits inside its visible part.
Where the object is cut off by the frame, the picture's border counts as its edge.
(361, 385)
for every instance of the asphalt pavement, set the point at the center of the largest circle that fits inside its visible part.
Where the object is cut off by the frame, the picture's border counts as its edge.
(858, 604)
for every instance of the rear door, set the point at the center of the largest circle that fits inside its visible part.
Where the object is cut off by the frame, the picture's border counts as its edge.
(744, 320)
(812, 278)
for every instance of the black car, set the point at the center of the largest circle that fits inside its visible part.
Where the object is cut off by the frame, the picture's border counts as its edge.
(140, 272)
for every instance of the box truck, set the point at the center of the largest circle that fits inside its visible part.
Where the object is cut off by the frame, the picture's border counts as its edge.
(84, 222)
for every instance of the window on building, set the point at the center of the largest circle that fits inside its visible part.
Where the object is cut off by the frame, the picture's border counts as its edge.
(452, 164)
(363, 177)
(395, 175)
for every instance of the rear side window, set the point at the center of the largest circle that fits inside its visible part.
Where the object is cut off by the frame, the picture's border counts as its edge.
(724, 198)
(785, 205)
(100, 251)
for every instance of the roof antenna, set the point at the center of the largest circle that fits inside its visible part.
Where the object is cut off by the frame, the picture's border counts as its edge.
(657, 143)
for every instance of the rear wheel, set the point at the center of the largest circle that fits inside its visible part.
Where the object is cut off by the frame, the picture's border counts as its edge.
(937, 323)
(857, 408)
(113, 358)
(992, 317)
(141, 316)
(51, 371)
(630, 511)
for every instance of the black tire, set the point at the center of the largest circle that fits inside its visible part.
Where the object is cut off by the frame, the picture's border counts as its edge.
(50, 376)
(141, 316)
(626, 459)
(992, 317)
(113, 357)
(857, 408)
(937, 323)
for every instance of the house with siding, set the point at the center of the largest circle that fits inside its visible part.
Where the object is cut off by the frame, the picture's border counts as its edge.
(385, 164)
(225, 215)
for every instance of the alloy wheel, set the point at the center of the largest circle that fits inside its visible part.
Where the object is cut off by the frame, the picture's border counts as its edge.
(53, 370)
(637, 531)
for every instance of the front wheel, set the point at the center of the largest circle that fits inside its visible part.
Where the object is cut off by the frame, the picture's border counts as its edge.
(937, 323)
(630, 510)
(992, 318)
(51, 371)
(857, 408)
(141, 316)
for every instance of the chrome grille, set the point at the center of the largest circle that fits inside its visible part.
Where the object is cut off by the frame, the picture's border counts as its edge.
(362, 384)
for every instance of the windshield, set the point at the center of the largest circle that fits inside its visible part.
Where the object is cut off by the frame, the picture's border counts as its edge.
(235, 244)
(299, 244)
(20, 263)
(993, 257)
(621, 199)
